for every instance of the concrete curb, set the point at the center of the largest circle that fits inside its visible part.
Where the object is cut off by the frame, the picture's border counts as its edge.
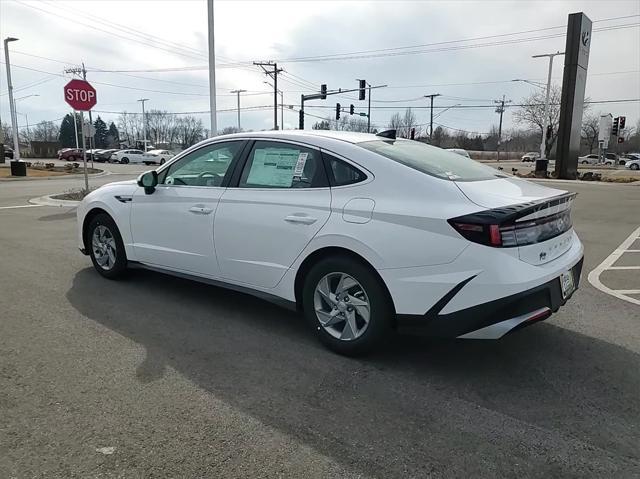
(49, 201)
(58, 177)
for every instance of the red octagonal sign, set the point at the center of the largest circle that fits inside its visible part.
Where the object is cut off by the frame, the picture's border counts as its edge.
(80, 95)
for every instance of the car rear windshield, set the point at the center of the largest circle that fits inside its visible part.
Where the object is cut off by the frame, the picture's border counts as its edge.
(431, 160)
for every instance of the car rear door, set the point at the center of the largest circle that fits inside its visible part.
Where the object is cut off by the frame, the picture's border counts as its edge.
(272, 209)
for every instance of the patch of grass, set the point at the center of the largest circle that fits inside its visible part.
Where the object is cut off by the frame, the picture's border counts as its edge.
(76, 194)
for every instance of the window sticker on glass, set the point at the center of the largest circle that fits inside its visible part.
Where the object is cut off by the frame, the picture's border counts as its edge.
(273, 167)
(302, 160)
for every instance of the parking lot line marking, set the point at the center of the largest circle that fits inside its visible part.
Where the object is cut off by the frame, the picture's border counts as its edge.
(594, 275)
(632, 251)
(627, 291)
(20, 206)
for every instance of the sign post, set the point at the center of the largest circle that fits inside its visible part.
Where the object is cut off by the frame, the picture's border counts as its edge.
(81, 96)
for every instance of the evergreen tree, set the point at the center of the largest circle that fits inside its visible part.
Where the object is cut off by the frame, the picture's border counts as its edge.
(100, 138)
(112, 138)
(67, 136)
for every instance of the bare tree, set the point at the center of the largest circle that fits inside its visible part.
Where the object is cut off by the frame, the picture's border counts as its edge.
(160, 126)
(189, 131)
(45, 131)
(228, 130)
(532, 113)
(590, 129)
(130, 127)
(403, 124)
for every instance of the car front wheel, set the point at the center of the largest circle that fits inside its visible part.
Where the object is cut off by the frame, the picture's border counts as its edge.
(347, 305)
(106, 247)
(162, 161)
(635, 166)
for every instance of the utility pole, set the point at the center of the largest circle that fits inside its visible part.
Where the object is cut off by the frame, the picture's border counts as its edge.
(144, 123)
(500, 110)
(431, 97)
(272, 74)
(212, 71)
(543, 142)
(238, 93)
(12, 106)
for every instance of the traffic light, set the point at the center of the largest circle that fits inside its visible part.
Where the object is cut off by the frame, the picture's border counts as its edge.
(363, 86)
(351, 109)
(337, 111)
(623, 120)
(323, 92)
(301, 120)
(614, 128)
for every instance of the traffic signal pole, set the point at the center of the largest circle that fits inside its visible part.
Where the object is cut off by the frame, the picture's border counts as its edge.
(431, 97)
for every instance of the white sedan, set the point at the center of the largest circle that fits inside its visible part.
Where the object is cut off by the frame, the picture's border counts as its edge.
(157, 157)
(128, 156)
(589, 159)
(362, 233)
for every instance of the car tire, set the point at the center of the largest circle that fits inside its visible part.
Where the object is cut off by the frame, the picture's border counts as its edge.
(608, 163)
(71, 158)
(585, 162)
(353, 333)
(106, 247)
(162, 161)
(124, 161)
(635, 166)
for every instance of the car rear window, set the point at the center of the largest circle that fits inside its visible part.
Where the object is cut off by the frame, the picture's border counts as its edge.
(431, 160)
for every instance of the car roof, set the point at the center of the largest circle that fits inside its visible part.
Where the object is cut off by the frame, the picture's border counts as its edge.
(348, 136)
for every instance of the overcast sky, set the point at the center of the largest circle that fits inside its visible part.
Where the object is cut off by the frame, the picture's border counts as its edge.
(152, 34)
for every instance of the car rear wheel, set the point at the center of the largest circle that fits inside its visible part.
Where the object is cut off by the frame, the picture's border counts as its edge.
(585, 162)
(162, 161)
(106, 247)
(634, 166)
(71, 158)
(347, 305)
(124, 161)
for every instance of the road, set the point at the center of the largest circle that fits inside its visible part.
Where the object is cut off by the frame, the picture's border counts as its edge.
(155, 376)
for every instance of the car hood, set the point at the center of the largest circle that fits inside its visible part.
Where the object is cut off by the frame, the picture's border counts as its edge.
(500, 192)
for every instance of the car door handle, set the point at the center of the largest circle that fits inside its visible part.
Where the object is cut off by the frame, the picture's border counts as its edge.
(305, 220)
(200, 210)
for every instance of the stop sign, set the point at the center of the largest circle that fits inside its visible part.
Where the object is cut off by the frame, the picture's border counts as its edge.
(80, 95)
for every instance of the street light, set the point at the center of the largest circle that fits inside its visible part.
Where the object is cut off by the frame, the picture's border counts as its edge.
(15, 165)
(534, 83)
(546, 103)
(15, 101)
(144, 124)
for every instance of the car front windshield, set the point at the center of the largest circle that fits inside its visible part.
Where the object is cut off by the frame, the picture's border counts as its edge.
(432, 160)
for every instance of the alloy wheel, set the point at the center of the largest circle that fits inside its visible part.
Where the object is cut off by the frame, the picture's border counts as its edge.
(104, 247)
(342, 306)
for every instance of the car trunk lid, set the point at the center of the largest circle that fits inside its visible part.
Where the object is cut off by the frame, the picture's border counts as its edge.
(532, 218)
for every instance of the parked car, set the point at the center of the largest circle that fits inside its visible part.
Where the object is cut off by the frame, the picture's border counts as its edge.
(531, 156)
(459, 151)
(157, 157)
(363, 233)
(70, 154)
(8, 152)
(633, 164)
(91, 154)
(610, 159)
(104, 155)
(128, 156)
(627, 157)
(589, 160)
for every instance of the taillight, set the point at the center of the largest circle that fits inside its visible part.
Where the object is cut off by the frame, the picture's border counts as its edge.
(479, 229)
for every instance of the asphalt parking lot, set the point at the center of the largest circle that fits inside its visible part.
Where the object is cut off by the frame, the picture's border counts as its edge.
(155, 376)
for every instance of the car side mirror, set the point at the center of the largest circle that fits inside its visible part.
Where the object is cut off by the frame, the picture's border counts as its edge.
(148, 180)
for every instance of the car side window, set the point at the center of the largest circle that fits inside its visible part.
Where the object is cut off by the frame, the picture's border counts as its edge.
(273, 164)
(342, 173)
(207, 166)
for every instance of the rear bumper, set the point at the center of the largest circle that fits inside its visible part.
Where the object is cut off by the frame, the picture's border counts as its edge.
(493, 319)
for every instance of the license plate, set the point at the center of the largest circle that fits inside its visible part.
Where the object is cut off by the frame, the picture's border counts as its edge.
(567, 284)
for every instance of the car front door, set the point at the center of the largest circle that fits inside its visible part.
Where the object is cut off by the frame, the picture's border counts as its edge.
(273, 208)
(173, 226)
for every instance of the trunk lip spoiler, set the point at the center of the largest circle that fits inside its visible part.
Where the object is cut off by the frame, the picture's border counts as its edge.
(510, 213)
